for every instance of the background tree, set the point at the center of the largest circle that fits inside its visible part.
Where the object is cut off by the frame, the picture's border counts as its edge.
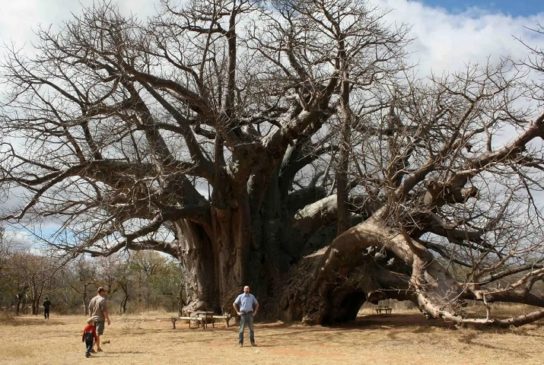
(39, 279)
(85, 278)
(210, 133)
(25, 277)
(139, 281)
(156, 278)
(7, 292)
(124, 277)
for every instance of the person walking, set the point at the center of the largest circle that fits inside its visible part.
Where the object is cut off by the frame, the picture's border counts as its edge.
(246, 306)
(98, 309)
(89, 336)
(46, 308)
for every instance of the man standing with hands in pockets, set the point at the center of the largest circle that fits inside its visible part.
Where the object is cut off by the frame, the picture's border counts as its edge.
(246, 307)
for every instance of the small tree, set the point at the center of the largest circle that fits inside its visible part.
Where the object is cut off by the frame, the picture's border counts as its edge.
(85, 279)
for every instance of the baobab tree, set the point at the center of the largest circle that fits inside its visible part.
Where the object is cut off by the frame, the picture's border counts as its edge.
(260, 142)
(458, 217)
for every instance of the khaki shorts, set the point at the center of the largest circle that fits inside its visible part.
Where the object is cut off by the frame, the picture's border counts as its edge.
(100, 327)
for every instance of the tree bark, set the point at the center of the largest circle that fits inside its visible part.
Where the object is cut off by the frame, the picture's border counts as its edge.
(348, 272)
(241, 246)
(214, 258)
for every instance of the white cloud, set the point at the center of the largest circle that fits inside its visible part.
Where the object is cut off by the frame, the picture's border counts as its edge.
(445, 41)
(442, 41)
(19, 19)
(19, 239)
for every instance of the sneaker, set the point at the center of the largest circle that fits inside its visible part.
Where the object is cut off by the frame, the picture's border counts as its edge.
(253, 344)
(87, 354)
(99, 350)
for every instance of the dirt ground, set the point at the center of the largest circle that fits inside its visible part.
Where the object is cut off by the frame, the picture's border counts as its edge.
(399, 338)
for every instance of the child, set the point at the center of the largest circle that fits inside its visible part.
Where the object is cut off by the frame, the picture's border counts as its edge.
(89, 336)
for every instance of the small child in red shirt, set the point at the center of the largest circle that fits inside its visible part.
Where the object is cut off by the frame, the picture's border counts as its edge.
(89, 336)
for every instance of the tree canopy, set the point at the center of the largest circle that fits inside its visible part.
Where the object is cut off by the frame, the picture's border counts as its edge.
(282, 141)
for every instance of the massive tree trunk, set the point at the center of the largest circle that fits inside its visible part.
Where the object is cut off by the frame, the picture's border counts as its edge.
(250, 244)
(372, 261)
(215, 257)
(359, 265)
(276, 248)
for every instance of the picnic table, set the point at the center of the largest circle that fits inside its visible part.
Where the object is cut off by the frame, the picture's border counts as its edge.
(201, 318)
(205, 318)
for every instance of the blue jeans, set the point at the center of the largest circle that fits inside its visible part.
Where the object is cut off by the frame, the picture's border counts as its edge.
(246, 319)
(88, 343)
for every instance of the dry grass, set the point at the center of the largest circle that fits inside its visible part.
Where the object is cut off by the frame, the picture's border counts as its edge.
(402, 338)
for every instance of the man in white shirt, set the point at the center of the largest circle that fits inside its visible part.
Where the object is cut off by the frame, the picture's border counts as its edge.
(246, 306)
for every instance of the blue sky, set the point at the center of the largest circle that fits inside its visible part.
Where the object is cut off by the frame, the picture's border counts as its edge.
(510, 7)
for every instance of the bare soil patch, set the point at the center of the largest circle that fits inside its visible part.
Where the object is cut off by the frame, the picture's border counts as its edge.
(400, 338)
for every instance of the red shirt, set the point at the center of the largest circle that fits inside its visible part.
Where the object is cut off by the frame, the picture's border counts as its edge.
(89, 329)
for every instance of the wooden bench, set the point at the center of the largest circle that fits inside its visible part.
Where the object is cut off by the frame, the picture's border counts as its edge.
(199, 321)
(202, 319)
(227, 317)
(205, 318)
(383, 309)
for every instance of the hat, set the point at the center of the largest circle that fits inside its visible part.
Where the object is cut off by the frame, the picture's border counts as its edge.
(91, 319)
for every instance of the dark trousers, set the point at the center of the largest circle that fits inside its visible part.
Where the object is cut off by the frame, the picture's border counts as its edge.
(46, 313)
(246, 319)
(88, 342)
